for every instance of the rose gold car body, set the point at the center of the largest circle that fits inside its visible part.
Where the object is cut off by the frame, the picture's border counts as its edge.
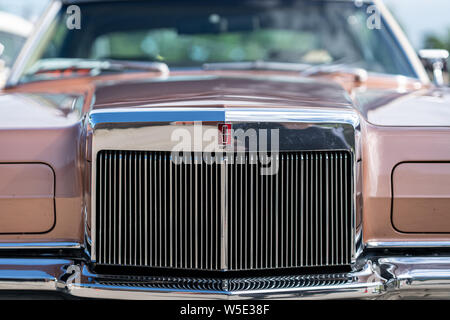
(57, 139)
(49, 142)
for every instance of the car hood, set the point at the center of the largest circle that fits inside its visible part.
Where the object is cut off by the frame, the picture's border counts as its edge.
(222, 91)
(382, 101)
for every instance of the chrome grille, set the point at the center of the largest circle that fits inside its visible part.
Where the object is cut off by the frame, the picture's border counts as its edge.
(230, 285)
(223, 215)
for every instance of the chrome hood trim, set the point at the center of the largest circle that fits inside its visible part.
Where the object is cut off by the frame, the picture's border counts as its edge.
(169, 114)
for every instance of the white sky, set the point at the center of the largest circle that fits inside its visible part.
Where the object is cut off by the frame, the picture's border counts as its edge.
(419, 17)
(28, 9)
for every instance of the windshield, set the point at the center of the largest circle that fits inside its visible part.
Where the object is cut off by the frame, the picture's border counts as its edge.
(190, 34)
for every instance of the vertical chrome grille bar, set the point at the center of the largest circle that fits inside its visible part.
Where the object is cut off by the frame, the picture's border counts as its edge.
(200, 209)
(296, 212)
(119, 245)
(224, 214)
(135, 209)
(250, 197)
(316, 208)
(269, 252)
(341, 213)
(171, 213)
(218, 215)
(327, 227)
(306, 186)
(346, 211)
(129, 197)
(102, 214)
(191, 211)
(282, 202)
(114, 209)
(196, 211)
(146, 240)
(321, 209)
(336, 204)
(276, 216)
(152, 206)
(302, 212)
(267, 213)
(110, 207)
(330, 232)
(293, 234)
(258, 212)
(125, 208)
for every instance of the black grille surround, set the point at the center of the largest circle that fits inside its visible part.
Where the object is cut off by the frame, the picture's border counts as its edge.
(214, 215)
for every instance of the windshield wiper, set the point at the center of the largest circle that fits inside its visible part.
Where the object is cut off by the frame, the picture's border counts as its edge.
(256, 65)
(303, 69)
(360, 74)
(96, 66)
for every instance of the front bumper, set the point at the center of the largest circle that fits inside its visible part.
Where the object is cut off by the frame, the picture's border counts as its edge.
(387, 277)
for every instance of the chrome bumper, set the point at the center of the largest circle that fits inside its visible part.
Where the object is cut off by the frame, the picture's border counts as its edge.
(381, 278)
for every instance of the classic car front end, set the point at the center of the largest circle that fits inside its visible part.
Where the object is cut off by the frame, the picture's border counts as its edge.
(268, 162)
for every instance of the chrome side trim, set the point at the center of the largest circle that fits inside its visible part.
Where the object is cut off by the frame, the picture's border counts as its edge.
(407, 244)
(41, 245)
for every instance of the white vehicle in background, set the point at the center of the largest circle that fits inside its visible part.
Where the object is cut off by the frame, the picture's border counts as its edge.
(14, 31)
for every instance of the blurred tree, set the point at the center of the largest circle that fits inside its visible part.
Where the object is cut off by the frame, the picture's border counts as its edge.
(433, 41)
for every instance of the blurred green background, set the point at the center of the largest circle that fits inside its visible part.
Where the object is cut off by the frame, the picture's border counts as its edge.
(426, 22)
